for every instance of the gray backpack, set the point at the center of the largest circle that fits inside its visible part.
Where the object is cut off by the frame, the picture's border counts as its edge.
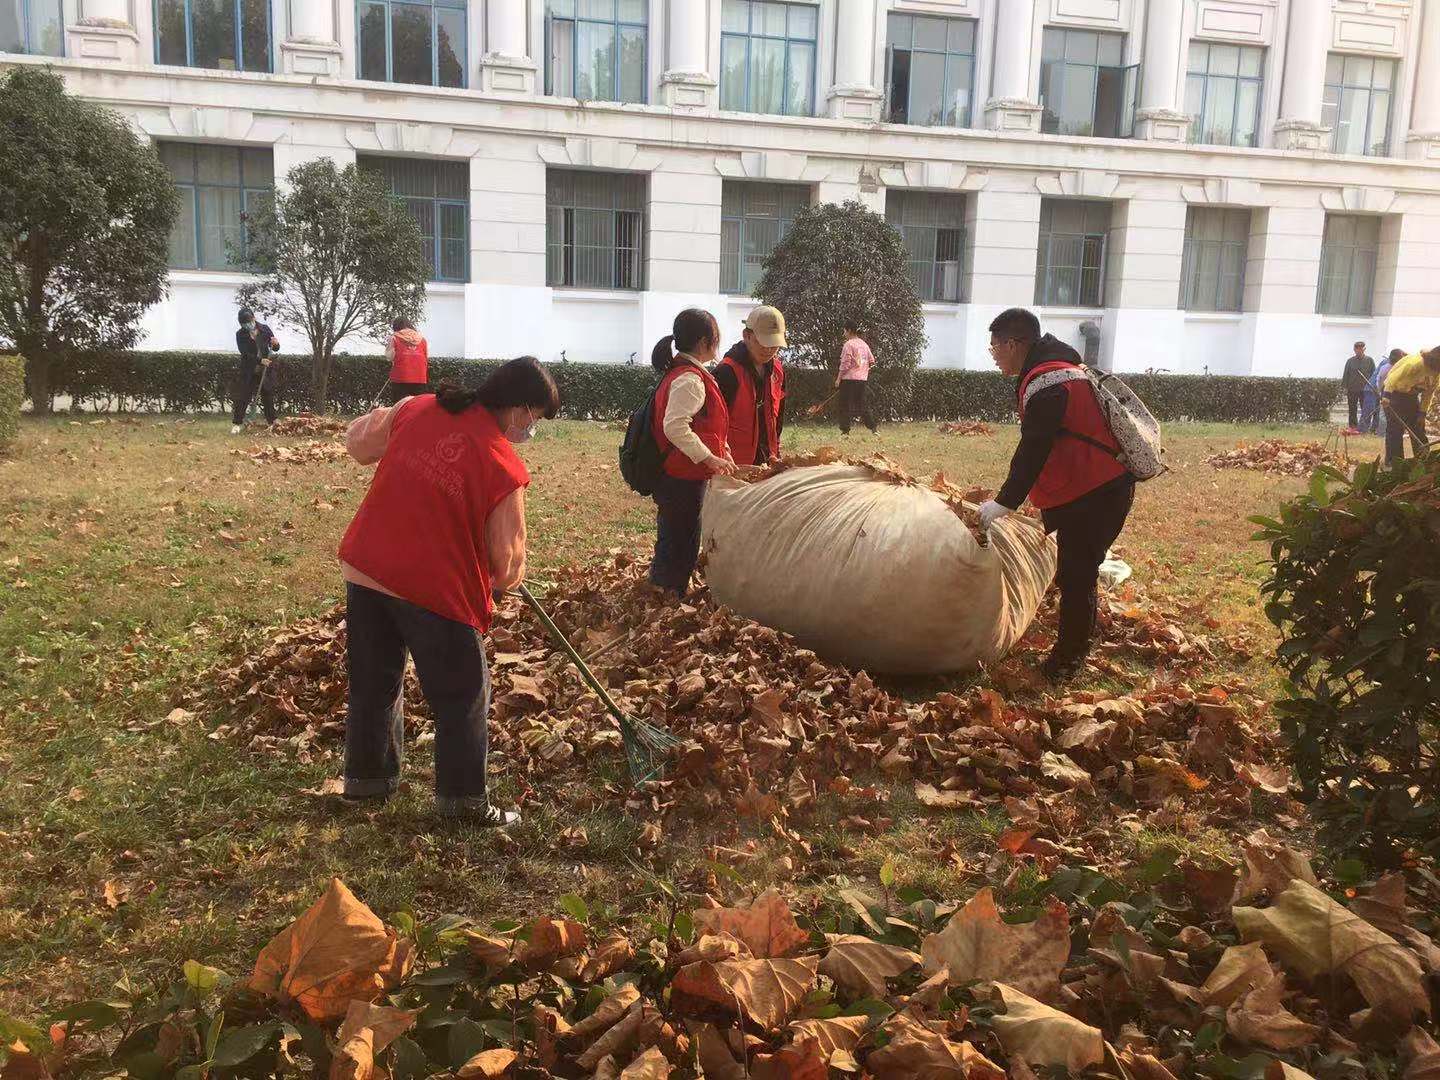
(1134, 428)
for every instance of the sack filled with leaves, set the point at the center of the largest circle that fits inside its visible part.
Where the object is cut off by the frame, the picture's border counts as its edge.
(871, 569)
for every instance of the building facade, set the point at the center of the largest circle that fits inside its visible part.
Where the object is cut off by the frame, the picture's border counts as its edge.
(1232, 186)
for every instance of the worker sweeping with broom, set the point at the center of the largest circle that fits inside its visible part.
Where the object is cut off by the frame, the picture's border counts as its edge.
(440, 530)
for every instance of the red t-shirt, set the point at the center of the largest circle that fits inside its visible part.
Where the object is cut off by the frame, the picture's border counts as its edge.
(420, 531)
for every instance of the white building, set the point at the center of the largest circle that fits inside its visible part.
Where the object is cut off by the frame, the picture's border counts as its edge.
(1243, 186)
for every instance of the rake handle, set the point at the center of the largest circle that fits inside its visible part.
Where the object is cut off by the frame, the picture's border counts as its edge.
(575, 657)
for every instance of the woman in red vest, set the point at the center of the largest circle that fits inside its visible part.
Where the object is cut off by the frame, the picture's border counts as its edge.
(441, 529)
(409, 361)
(1067, 465)
(690, 424)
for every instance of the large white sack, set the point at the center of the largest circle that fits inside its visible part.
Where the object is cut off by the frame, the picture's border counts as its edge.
(872, 573)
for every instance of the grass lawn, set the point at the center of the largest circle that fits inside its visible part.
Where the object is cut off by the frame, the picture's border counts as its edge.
(135, 554)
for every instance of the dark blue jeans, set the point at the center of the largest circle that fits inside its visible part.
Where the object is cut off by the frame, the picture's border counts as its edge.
(450, 661)
(677, 532)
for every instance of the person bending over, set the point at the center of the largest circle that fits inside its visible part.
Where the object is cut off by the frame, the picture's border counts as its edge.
(1409, 388)
(257, 346)
(409, 355)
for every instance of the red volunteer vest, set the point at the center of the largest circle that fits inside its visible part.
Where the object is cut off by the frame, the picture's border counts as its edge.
(1075, 468)
(420, 532)
(746, 410)
(411, 363)
(710, 423)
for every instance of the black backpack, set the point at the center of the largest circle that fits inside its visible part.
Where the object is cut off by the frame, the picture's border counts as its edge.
(641, 462)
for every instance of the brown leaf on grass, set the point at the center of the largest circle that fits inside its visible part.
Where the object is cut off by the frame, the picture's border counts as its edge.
(767, 992)
(936, 799)
(607, 1068)
(714, 948)
(651, 1065)
(114, 894)
(1063, 771)
(1259, 1018)
(368, 1029)
(338, 951)
(1145, 1066)
(1310, 932)
(1272, 778)
(550, 939)
(23, 1065)
(494, 953)
(550, 1028)
(977, 945)
(916, 1052)
(488, 1065)
(610, 1010)
(1282, 1070)
(1241, 969)
(1384, 908)
(838, 1033)
(767, 926)
(1210, 889)
(618, 1042)
(1040, 1035)
(608, 957)
(1270, 866)
(862, 966)
(713, 1052)
(803, 1060)
(1421, 1054)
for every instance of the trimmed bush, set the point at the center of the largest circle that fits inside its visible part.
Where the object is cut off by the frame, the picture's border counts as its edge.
(12, 393)
(203, 382)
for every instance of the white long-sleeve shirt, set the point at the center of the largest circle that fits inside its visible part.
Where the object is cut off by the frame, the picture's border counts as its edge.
(687, 397)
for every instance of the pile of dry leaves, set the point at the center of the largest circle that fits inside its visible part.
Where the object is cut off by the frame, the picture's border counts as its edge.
(308, 425)
(965, 427)
(322, 439)
(1278, 457)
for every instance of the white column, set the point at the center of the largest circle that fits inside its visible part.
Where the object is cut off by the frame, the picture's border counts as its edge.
(1424, 141)
(104, 33)
(506, 67)
(311, 48)
(1302, 90)
(1012, 106)
(854, 95)
(1160, 118)
(687, 83)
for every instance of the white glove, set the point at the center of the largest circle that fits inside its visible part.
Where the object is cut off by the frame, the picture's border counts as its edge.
(991, 512)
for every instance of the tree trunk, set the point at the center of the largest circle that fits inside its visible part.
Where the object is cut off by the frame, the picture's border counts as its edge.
(37, 372)
(320, 381)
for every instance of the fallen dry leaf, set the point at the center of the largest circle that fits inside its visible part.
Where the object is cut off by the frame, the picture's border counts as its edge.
(651, 1065)
(916, 1052)
(861, 965)
(551, 939)
(1241, 969)
(767, 926)
(488, 1065)
(838, 1033)
(977, 945)
(717, 1061)
(1259, 1018)
(802, 1060)
(1421, 1054)
(767, 992)
(338, 951)
(1040, 1035)
(618, 1042)
(367, 1030)
(1270, 866)
(610, 1010)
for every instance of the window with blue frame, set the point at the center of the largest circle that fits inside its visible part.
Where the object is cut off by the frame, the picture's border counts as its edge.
(767, 57)
(595, 229)
(596, 49)
(412, 41)
(1085, 87)
(754, 217)
(1223, 85)
(437, 193)
(931, 64)
(218, 185)
(228, 35)
(36, 27)
(932, 228)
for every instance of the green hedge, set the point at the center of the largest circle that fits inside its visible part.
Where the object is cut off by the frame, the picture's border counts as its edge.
(199, 382)
(12, 393)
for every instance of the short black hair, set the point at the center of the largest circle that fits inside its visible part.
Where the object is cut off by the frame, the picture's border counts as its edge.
(1017, 324)
(851, 322)
(1359, 344)
(1397, 354)
(246, 315)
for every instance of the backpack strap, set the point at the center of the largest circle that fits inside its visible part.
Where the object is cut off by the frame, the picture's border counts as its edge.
(1057, 374)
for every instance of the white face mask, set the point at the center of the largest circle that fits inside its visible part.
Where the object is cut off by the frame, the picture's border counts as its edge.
(519, 435)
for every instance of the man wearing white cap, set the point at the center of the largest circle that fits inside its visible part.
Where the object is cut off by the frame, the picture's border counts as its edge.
(752, 381)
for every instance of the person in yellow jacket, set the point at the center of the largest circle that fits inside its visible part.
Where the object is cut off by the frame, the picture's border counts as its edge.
(1408, 390)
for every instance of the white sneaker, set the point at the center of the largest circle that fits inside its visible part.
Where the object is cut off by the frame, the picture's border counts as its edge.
(236, 429)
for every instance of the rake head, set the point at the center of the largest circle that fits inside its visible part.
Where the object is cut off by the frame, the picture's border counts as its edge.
(647, 749)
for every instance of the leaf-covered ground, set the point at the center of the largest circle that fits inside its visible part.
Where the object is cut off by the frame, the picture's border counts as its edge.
(147, 820)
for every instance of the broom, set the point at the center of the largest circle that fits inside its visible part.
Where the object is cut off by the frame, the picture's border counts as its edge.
(816, 410)
(646, 746)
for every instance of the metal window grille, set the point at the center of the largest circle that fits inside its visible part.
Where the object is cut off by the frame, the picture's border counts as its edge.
(932, 228)
(1070, 262)
(1223, 87)
(217, 185)
(1359, 91)
(1085, 87)
(753, 219)
(597, 49)
(228, 35)
(1349, 251)
(421, 42)
(595, 229)
(1212, 275)
(437, 194)
(930, 70)
(35, 27)
(767, 57)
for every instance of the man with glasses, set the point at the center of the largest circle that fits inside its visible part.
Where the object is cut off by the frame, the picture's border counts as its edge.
(752, 381)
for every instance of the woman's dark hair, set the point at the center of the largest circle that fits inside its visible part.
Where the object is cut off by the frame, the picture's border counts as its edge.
(851, 323)
(402, 324)
(521, 382)
(693, 327)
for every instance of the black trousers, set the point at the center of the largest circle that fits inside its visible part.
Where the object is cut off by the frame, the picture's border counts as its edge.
(1084, 530)
(1405, 418)
(853, 403)
(1353, 399)
(252, 377)
(677, 532)
(397, 390)
(450, 661)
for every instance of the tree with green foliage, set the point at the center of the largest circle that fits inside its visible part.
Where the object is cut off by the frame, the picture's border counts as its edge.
(335, 255)
(841, 262)
(85, 213)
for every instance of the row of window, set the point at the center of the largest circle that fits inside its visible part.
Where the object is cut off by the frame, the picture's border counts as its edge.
(597, 50)
(595, 232)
